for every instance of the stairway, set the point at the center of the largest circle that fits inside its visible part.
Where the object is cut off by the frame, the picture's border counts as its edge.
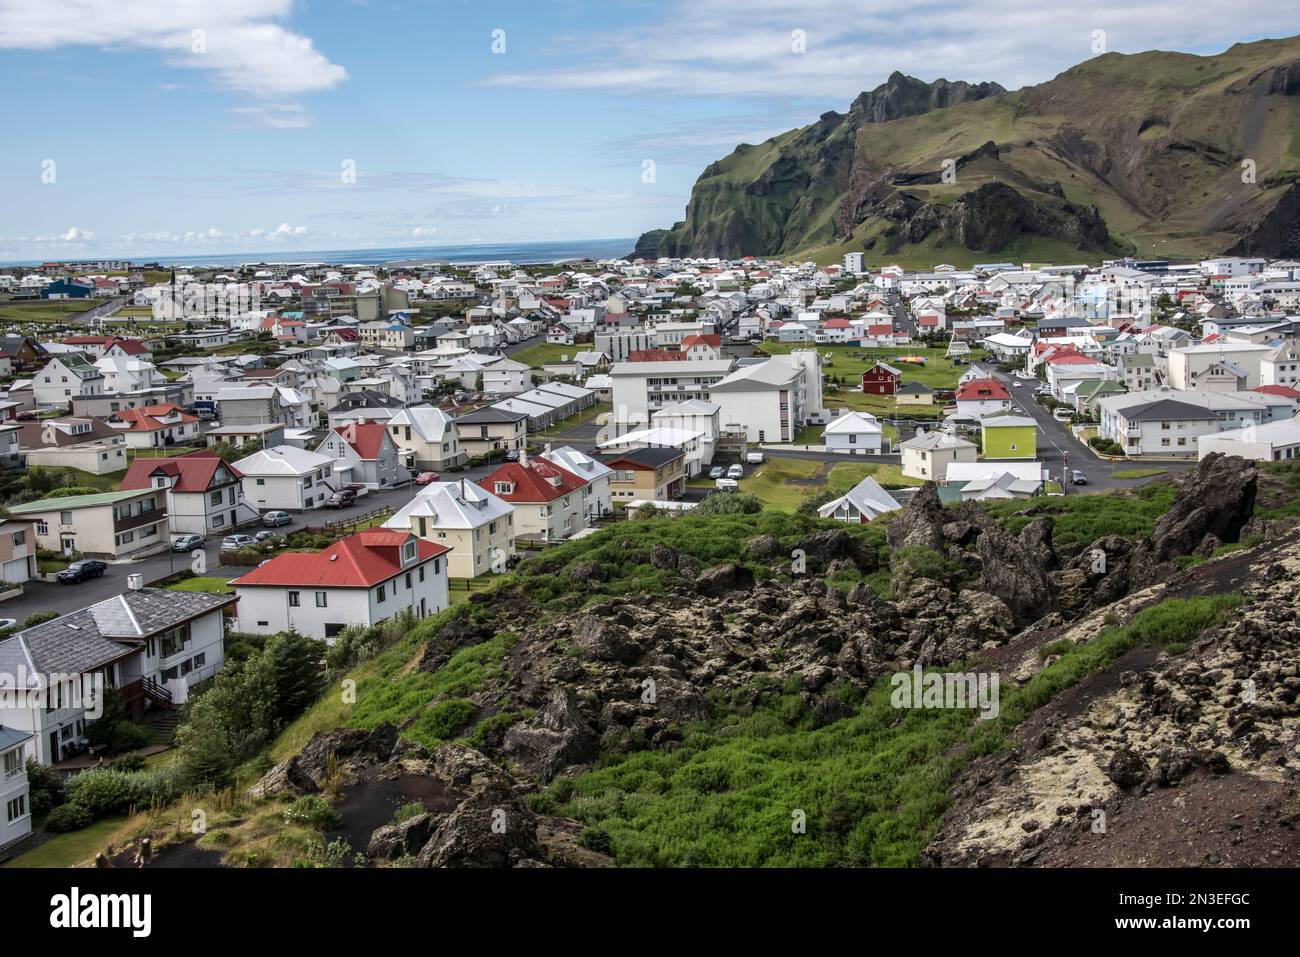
(161, 724)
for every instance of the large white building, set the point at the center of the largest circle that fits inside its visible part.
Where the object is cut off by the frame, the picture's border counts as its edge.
(770, 401)
(1233, 366)
(363, 579)
(854, 433)
(642, 388)
(598, 499)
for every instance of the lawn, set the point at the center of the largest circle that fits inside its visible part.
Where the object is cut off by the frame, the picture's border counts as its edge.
(208, 585)
(107, 482)
(59, 310)
(847, 363)
(782, 483)
(1137, 473)
(544, 352)
(68, 850)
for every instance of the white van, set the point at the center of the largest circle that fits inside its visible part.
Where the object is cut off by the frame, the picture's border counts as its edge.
(727, 485)
(754, 458)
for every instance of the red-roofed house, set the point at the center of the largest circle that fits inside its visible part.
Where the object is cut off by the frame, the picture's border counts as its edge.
(881, 379)
(835, 330)
(155, 426)
(548, 499)
(363, 579)
(976, 397)
(1285, 391)
(204, 493)
(703, 346)
(364, 452)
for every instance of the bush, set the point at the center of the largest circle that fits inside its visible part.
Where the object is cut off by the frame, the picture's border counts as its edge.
(44, 787)
(408, 811)
(312, 811)
(127, 737)
(68, 817)
(729, 503)
(102, 792)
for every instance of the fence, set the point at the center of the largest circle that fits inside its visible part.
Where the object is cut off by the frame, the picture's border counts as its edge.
(346, 526)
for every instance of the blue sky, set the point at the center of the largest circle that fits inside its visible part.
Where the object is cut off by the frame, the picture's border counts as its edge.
(138, 136)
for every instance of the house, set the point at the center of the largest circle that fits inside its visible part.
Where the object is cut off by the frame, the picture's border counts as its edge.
(14, 797)
(982, 396)
(64, 378)
(881, 379)
(862, 503)
(927, 455)
(123, 524)
(17, 553)
(426, 438)
(73, 442)
(1239, 362)
(491, 429)
(1271, 442)
(548, 500)
(597, 493)
(771, 400)
(364, 453)
(363, 579)
(23, 353)
(507, 377)
(476, 525)
(656, 475)
(914, 393)
(150, 644)
(854, 433)
(694, 445)
(982, 481)
(155, 426)
(1138, 371)
(1281, 366)
(1009, 437)
(205, 495)
(284, 477)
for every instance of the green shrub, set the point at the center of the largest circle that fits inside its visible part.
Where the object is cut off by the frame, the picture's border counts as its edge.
(408, 811)
(45, 789)
(102, 792)
(312, 811)
(68, 817)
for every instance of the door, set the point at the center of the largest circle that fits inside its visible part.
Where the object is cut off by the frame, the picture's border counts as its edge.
(56, 754)
(68, 544)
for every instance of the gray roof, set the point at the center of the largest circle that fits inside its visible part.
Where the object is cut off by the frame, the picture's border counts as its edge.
(11, 737)
(91, 637)
(1166, 409)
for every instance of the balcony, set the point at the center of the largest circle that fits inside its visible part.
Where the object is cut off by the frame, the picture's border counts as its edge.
(151, 517)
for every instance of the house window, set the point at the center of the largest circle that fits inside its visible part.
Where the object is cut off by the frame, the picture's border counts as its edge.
(42, 527)
(293, 599)
(17, 808)
(321, 600)
(261, 481)
(215, 497)
(200, 660)
(13, 763)
(408, 579)
(380, 593)
(174, 641)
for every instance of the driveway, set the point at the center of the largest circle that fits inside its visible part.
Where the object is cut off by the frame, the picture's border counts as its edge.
(52, 596)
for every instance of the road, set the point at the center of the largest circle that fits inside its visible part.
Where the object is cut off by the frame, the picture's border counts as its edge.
(52, 596)
(102, 311)
(1058, 448)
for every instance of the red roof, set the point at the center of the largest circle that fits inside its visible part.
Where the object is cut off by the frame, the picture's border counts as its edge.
(884, 329)
(146, 419)
(366, 438)
(928, 319)
(656, 355)
(358, 561)
(538, 481)
(193, 472)
(705, 339)
(1283, 390)
(132, 347)
(1071, 359)
(836, 324)
(982, 389)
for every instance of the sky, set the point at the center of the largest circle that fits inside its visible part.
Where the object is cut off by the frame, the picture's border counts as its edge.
(141, 128)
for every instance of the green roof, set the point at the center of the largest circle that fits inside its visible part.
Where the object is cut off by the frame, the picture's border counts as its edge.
(76, 501)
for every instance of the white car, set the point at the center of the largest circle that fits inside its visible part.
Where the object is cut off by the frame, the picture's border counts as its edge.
(736, 471)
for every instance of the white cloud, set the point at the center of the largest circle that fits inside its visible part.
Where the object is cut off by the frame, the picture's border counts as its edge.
(277, 116)
(424, 231)
(285, 231)
(702, 47)
(237, 41)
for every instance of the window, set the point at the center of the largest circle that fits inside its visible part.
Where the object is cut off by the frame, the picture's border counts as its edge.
(65, 518)
(261, 481)
(175, 640)
(322, 600)
(17, 808)
(408, 580)
(42, 527)
(200, 660)
(13, 763)
(215, 497)
(293, 599)
(380, 594)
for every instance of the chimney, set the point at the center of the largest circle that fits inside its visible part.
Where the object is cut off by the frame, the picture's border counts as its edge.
(135, 582)
(523, 458)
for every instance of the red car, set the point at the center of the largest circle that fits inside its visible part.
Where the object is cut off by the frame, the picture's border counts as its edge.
(424, 478)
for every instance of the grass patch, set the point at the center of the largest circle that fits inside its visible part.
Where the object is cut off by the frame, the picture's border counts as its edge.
(1086, 518)
(71, 848)
(208, 585)
(1137, 473)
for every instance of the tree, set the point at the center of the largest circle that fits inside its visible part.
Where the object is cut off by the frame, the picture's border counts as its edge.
(294, 662)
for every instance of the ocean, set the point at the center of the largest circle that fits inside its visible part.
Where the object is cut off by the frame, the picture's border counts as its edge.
(547, 252)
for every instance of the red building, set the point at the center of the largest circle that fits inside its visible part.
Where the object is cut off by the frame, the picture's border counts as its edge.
(881, 379)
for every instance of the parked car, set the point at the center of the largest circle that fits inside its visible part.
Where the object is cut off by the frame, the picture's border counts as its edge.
(726, 485)
(717, 472)
(8, 623)
(275, 519)
(1078, 478)
(266, 534)
(187, 543)
(80, 571)
(1062, 415)
(736, 471)
(512, 455)
(357, 489)
(427, 478)
(341, 499)
(233, 543)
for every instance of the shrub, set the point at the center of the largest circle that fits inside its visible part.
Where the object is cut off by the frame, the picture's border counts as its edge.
(408, 811)
(68, 817)
(728, 503)
(312, 811)
(44, 787)
(102, 792)
(127, 737)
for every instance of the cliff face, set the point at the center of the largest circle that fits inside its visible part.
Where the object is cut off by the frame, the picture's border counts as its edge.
(1179, 154)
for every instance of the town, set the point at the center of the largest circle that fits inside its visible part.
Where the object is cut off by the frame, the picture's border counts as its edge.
(194, 453)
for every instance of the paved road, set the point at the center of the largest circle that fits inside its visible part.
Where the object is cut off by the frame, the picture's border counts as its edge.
(1059, 449)
(103, 311)
(51, 596)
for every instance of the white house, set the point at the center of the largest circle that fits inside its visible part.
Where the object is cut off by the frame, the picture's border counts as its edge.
(65, 378)
(205, 496)
(363, 579)
(151, 644)
(16, 819)
(284, 477)
(476, 525)
(597, 494)
(427, 438)
(364, 453)
(854, 433)
(1271, 442)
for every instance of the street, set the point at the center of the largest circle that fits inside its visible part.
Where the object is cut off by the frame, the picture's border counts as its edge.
(53, 596)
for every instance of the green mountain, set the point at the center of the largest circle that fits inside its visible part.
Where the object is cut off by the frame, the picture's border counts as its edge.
(1144, 154)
